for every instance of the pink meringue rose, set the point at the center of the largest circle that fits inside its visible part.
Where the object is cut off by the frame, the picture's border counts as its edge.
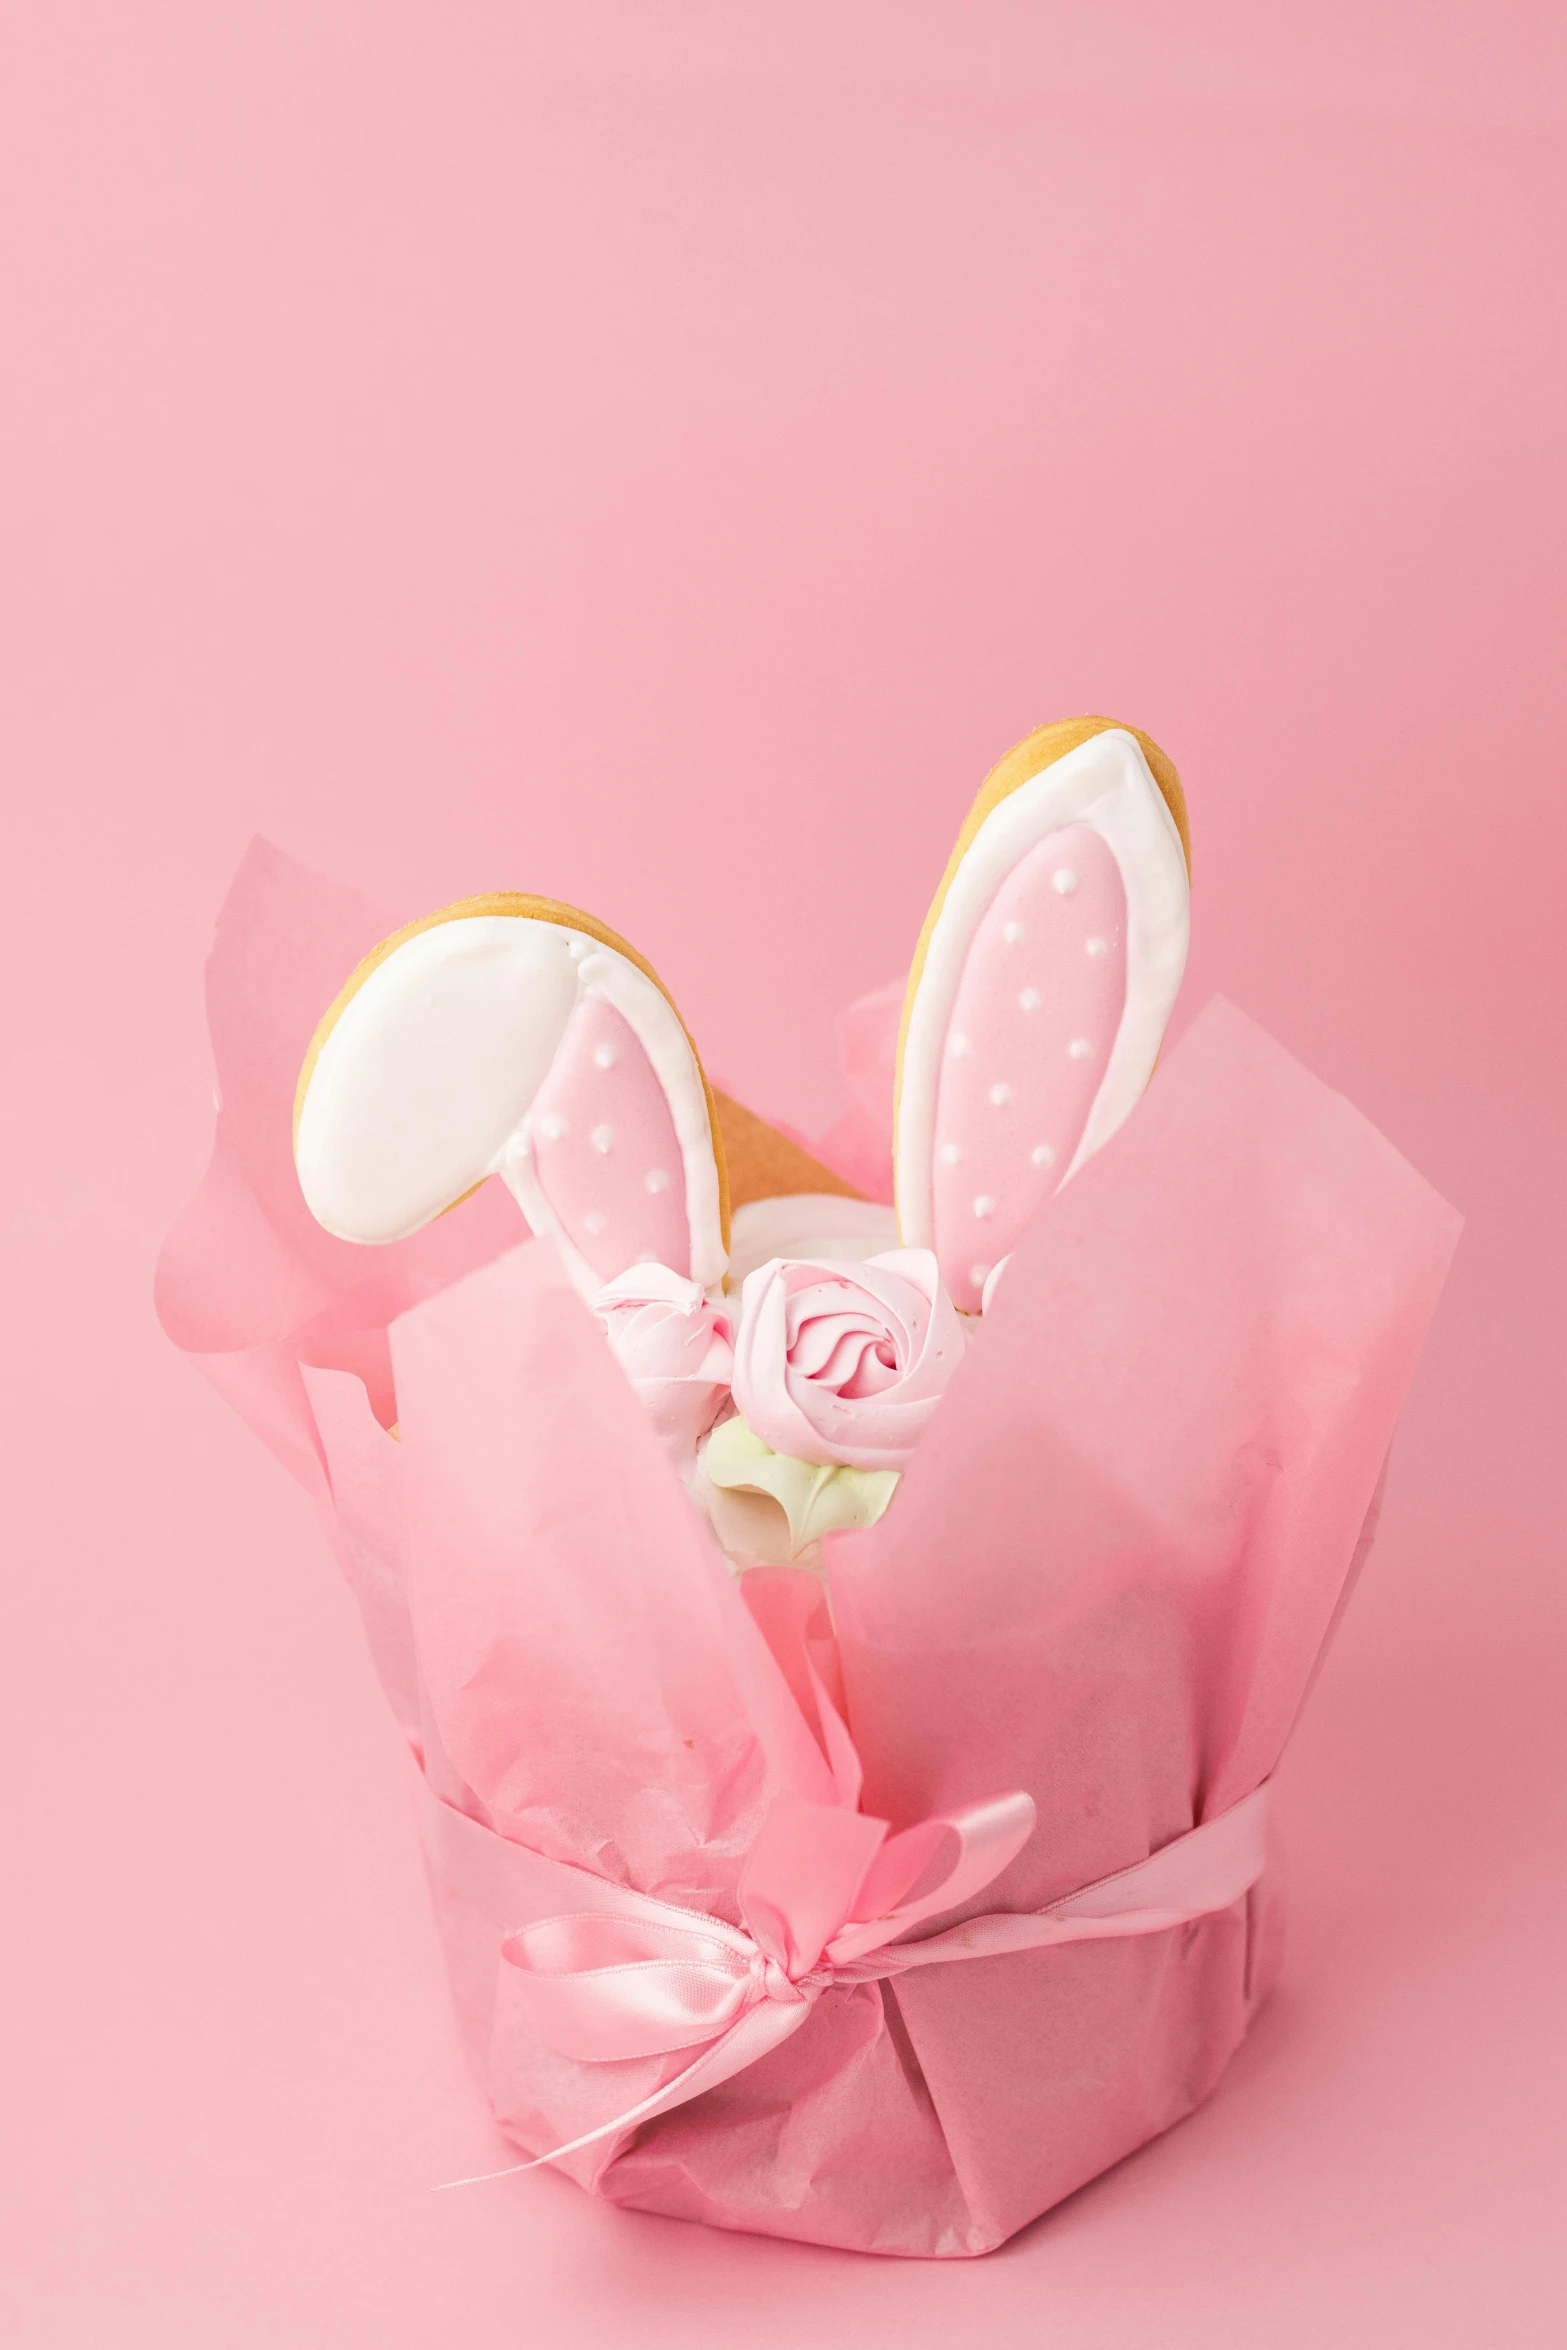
(845, 1362)
(674, 1346)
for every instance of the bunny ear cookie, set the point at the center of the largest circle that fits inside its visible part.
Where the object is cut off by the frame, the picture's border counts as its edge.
(510, 1035)
(1045, 974)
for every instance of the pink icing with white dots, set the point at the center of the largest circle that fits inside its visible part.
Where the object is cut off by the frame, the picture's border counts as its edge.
(604, 1147)
(1040, 1001)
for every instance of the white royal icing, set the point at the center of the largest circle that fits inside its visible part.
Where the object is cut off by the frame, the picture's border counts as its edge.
(423, 1084)
(1105, 783)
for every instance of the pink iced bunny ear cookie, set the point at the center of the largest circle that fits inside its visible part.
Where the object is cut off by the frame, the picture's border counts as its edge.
(1045, 974)
(512, 1036)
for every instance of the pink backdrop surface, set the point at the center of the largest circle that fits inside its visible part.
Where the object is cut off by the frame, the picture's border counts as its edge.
(619, 452)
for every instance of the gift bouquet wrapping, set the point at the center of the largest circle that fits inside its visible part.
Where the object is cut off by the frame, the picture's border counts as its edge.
(845, 1606)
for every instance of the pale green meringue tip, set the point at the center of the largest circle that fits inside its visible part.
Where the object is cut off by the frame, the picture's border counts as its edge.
(815, 1500)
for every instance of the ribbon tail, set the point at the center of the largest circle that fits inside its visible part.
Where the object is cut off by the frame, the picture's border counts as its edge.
(752, 2036)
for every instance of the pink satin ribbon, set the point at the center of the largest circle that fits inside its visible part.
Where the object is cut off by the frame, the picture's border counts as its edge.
(633, 1977)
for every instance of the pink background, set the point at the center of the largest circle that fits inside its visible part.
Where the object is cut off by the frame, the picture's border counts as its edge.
(614, 451)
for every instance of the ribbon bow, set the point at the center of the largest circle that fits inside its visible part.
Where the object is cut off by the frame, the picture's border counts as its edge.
(825, 1897)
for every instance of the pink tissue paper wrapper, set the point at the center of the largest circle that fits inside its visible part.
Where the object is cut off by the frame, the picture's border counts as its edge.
(1108, 1579)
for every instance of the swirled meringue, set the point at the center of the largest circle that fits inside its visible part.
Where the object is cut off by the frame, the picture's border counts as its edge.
(843, 1364)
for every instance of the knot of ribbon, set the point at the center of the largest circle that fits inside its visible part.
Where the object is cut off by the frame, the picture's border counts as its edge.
(826, 1898)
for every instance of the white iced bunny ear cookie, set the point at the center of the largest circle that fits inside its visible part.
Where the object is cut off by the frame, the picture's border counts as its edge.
(1045, 974)
(512, 1036)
